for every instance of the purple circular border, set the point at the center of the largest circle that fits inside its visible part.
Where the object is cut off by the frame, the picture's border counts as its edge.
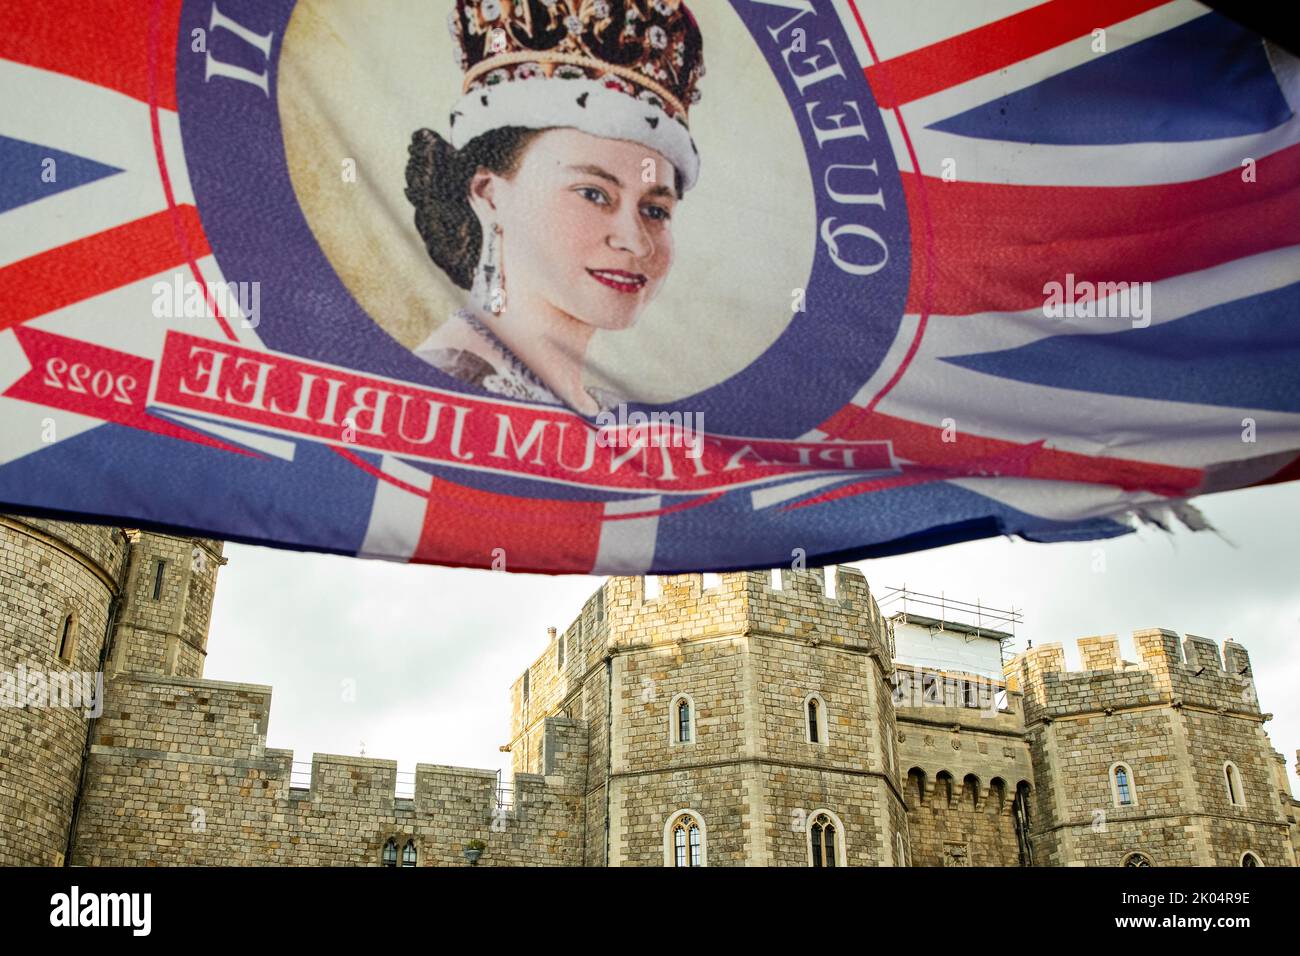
(237, 169)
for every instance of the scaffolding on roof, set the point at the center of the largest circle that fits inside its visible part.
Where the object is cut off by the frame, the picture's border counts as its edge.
(977, 619)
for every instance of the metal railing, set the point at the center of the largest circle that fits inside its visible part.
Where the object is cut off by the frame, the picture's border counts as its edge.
(505, 795)
(505, 799)
(300, 775)
(405, 789)
(300, 779)
(977, 615)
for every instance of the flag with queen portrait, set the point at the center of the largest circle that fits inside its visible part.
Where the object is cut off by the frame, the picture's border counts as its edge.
(524, 285)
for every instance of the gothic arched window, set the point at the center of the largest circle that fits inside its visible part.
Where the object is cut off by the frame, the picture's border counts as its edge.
(825, 840)
(681, 720)
(1250, 859)
(408, 853)
(684, 840)
(1137, 859)
(815, 727)
(389, 857)
(1123, 790)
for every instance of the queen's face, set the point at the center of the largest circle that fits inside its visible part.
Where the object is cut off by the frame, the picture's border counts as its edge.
(586, 227)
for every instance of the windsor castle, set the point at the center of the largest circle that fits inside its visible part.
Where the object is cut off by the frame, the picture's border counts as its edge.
(759, 719)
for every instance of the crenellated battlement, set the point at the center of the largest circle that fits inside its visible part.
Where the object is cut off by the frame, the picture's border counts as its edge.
(737, 695)
(1170, 670)
(654, 610)
(161, 736)
(788, 602)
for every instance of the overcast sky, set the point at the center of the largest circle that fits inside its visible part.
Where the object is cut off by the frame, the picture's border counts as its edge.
(433, 651)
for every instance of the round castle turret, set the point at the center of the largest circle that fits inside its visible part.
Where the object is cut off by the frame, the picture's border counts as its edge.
(80, 604)
(57, 587)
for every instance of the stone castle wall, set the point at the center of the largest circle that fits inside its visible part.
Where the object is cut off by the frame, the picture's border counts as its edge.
(180, 774)
(48, 570)
(179, 771)
(1291, 806)
(963, 755)
(1174, 721)
(746, 655)
(168, 605)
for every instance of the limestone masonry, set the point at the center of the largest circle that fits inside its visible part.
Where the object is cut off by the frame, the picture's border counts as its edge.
(726, 720)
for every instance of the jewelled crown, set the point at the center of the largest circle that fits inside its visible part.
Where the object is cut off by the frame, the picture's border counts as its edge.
(628, 69)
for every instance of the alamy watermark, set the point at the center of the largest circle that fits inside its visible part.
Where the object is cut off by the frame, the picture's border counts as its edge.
(1098, 300)
(73, 690)
(179, 299)
(927, 688)
(620, 428)
(130, 910)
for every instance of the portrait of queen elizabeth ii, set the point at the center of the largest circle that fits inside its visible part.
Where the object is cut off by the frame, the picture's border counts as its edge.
(551, 200)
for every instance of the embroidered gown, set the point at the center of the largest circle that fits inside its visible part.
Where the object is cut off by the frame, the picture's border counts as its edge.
(467, 350)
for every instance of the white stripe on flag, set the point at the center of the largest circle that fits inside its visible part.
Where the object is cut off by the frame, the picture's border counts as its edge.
(898, 28)
(1122, 164)
(991, 86)
(397, 516)
(1171, 299)
(97, 124)
(628, 546)
(267, 444)
(24, 427)
(1059, 500)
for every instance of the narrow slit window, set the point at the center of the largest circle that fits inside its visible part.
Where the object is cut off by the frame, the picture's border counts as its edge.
(1232, 776)
(65, 639)
(159, 568)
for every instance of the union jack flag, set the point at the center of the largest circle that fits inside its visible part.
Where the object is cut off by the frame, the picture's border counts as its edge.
(1145, 151)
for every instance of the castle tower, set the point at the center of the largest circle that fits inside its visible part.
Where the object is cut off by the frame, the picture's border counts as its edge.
(737, 719)
(59, 585)
(1161, 762)
(83, 603)
(167, 605)
(960, 737)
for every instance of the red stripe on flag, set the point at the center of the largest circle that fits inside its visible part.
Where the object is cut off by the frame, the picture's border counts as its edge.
(105, 42)
(996, 246)
(107, 260)
(466, 527)
(924, 445)
(994, 46)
